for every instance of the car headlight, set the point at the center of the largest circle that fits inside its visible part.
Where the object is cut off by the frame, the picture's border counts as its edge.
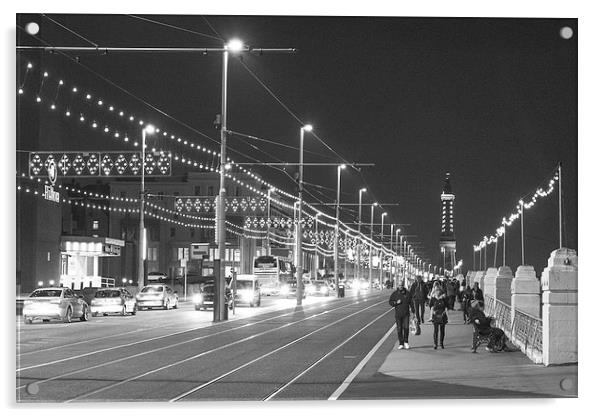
(311, 288)
(197, 298)
(324, 290)
(246, 295)
(284, 289)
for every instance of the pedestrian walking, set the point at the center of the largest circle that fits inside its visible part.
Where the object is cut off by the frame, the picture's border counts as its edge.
(467, 298)
(418, 294)
(400, 300)
(451, 293)
(439, 307)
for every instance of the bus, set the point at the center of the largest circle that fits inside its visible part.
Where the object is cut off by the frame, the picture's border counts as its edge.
(271, 271)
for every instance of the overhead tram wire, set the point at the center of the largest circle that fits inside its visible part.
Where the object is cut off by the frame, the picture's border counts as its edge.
(139, 99)
(174, 27)
(277, 99)
(69, 30)
(164, 113)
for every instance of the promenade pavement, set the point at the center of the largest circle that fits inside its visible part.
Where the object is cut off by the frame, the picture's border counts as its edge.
(456, 372)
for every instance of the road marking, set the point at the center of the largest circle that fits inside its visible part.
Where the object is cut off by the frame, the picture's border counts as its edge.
(324, 357)
(180, 361)
(341, 389)
(155, 338)
(265, 355)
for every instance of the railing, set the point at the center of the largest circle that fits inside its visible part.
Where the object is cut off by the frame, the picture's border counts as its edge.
(527, 334)
(525, 331)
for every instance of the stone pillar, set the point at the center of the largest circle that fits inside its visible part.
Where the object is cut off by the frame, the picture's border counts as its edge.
(559, 311)
(502, 284)
(526, 292)
(489, 281)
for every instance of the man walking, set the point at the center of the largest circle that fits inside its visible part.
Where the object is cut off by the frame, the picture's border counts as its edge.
(418, 293)
(400, 300)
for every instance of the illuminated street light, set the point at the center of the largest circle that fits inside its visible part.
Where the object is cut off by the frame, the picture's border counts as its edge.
(336, 229)
(359, 232)
(148, 129)
(235, 45)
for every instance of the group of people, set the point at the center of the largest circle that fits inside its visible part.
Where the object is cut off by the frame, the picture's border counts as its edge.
(441, 296)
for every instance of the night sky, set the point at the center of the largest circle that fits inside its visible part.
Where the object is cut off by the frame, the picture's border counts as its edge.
(492, 101)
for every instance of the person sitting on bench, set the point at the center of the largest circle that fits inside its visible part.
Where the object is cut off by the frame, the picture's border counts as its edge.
(482, 324)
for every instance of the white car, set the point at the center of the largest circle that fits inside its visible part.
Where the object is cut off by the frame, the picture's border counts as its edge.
(113, 300)
(55, 303)
(157, 295)
(156, 277)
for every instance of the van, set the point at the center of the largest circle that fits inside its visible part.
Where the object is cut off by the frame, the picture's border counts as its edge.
(247, 290)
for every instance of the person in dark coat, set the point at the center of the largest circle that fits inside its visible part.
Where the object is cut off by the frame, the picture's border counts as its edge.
(467, 298)
(439, 307)
(401, 301)
(497, 339)
(451, 293)
(477, 294)
(418, 294)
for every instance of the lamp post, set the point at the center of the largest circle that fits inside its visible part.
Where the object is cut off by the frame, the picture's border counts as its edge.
(359, 231)
(235, 45)
(397, 232)
(148, 129)
(382, 238)
(336, 230)
(302, 130)
(269, 222)
(391, 249)
(316, 255)
(371, 242)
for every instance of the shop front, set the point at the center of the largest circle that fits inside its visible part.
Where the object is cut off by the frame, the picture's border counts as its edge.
(81, 261)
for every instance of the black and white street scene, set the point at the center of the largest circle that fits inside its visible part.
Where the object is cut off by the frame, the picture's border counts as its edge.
(268, 208)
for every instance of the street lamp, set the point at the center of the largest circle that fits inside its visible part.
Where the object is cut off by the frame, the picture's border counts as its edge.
(316, 255)
(359, 232)
(371, 241)
(336, 230)
(148, 129)
(234, 46)
(382, 234)
(397, 232)
(302, 130)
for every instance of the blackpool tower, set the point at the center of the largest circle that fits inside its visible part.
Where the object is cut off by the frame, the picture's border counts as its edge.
(447, 239)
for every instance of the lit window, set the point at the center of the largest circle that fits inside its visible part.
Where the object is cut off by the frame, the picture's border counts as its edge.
(95, 225)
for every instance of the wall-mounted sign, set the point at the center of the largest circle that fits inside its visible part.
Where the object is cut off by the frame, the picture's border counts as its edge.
(51, 195)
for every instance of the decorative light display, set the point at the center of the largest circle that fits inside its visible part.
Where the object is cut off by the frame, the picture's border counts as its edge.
(105, 163)
(509, 220)
(122, 165)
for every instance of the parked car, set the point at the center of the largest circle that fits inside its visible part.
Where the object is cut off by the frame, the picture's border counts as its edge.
(247, 290)
(55, 303)
(205, 298)
(154, 277)
(113, 300)
(87, 293)
(157, 295)
(318, 287)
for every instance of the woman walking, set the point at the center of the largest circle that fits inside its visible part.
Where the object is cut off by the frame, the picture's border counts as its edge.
(439, 307)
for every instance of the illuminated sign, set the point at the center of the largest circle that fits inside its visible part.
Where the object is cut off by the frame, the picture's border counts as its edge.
(51, 195)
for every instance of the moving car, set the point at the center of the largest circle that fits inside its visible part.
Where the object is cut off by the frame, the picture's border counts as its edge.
(113, 300)
(247, 290)
(318, 287)
(204, 299)
(55, 303)
(290, 289)
(157, 295)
